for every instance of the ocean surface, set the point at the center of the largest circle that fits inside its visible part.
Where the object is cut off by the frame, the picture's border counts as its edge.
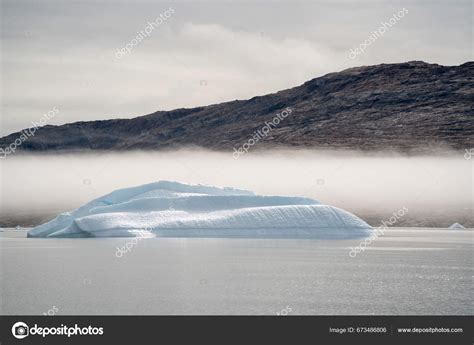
(406, 271)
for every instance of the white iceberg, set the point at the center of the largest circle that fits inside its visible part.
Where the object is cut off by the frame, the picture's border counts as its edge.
(172, 209)
(457, 226)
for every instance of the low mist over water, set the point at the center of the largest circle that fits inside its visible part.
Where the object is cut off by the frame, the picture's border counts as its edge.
(436, 190)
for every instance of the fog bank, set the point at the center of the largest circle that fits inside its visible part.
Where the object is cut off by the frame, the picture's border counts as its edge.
(353, 181)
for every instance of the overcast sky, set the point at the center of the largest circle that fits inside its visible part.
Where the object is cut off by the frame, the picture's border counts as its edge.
(62, 54)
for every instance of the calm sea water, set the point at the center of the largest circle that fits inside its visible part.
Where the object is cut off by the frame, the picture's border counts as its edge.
(406, 271)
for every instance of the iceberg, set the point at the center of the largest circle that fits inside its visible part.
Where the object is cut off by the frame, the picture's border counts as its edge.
(457, 226)
(173, 209)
